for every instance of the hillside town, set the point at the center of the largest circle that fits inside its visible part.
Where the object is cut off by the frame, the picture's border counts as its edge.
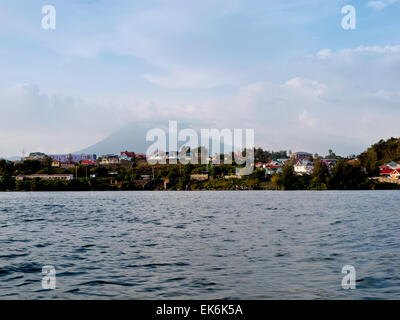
(160, 170)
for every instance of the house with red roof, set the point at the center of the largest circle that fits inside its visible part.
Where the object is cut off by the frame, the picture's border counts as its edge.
(395, 174)
(391, 173)
(127, 156)
(387, 172)
(89, 163)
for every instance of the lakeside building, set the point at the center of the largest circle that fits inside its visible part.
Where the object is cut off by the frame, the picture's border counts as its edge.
(304, 166)
(65, 177)
(299, 156)
(55, 163)
(258, 165)
(62, 165)
(109, 159)
(157, 156)
(140, 156)
(330, 162)
(39, 156)
(390, 170)
(67, 165)
(273, 169)
(391, 173)
(233, 177)
(275, 166)
(282, 161)
(173, 155)
(199, 177)
(126, 156)
(395, 174)
(72, 157)
(89, 163)
(391, 165)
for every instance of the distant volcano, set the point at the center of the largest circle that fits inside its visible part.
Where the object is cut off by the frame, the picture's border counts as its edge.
(132, 137)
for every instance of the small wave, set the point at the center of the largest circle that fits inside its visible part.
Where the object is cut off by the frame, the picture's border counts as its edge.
(13, 255)
(104, 282)
(174, 280)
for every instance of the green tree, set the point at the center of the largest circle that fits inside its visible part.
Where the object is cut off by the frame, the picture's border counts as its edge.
(320, 175)
(7, 182)
(288, 178)
(173, 173)
(347, 177)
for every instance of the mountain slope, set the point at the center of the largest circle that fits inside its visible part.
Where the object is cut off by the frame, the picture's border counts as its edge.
(132, 137)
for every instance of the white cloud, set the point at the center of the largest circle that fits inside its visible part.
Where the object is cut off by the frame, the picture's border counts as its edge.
(306, 120)
(40, 121)
(187, 79)
(306, 87)
(324, 54)
(380, 4)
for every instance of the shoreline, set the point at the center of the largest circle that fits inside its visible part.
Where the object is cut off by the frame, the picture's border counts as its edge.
(197, 190)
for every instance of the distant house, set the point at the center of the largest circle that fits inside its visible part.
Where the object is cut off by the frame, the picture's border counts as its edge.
(55, 164)
(395, 174)
(392, 165)
(140, 156)
(68, 157)
(45, 177)
(233, 177)
(299, 156)
(199, 177)
(390, 173)
(186, 156)
(383, 167)
(282, 161)
(274, 166)
(273, 163)
(89, 163)
(109, 159)
(67, 165)
(387, 172)
(388, 169)
(173, 155)
(272, 169)
(39, 156)
(330, 162)
(127, 156)
(157, 156)
(352, 161)
(304, 167)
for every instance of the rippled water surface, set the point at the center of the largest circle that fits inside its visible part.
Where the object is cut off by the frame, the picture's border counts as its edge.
(200, 245)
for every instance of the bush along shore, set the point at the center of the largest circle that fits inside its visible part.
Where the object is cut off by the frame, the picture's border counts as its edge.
(141, 176)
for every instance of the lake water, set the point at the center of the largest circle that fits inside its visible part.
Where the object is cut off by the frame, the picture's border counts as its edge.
(200, 245)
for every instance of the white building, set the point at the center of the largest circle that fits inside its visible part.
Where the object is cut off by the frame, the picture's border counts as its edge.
(304, 167)
(46, 177)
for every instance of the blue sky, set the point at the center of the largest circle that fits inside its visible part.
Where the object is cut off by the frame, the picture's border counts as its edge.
(285, 68)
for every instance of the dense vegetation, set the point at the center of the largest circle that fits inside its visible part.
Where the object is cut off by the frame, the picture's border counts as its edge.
(264, 155)
(379, 154)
